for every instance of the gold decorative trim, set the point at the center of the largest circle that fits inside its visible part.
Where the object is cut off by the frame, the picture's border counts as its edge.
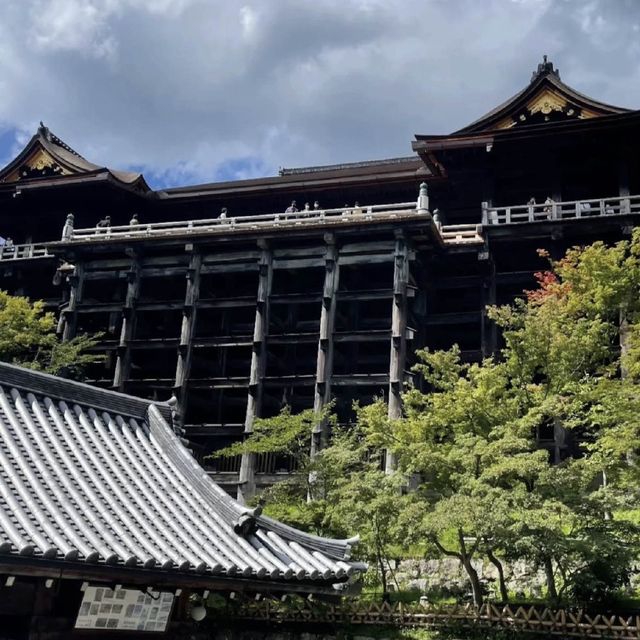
(39, 160)
(546, 102)
(507, 123)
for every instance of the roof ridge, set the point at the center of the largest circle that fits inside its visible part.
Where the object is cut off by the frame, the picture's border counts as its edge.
(51, 137)
(344, 165)
(78, 392)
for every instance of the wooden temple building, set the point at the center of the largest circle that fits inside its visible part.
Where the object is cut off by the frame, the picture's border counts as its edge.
(216, 295)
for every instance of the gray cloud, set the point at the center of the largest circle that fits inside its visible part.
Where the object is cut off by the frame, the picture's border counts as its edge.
(191, 90)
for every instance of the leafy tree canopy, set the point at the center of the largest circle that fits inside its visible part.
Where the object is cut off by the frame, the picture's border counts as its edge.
(28, 338)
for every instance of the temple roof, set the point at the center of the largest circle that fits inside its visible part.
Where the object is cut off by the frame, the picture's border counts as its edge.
(310, 177)
(91, 478)
(47, 156)
(546, 98)
(545, 108)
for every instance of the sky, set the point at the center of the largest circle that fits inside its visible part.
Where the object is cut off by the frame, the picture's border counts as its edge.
(192, 91)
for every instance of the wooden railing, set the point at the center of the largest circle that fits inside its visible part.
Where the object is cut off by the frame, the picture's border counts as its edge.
(252, 222)
(452, 234)
(566, 210)
(461, 234)
(269, 463)
(23, 252)
(530, 618)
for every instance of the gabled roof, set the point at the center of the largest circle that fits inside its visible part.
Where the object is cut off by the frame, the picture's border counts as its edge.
(91, 478)
(546, 98)
(47, 156)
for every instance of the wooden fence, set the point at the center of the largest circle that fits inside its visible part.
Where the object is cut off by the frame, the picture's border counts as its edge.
(530, 618)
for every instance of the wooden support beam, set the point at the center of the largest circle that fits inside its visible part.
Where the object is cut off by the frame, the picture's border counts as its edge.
(75, 297)
(398, 334)
(127, 331)
(324, 359)
(459, 317)
(185, 348)
(246, 483)
(488, 329)
(357, 296)
(515, 277)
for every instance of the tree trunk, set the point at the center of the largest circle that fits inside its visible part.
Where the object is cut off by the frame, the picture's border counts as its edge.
(465, 558)
(504, 594)
(472, 574)
(383, 578)
(551, 579)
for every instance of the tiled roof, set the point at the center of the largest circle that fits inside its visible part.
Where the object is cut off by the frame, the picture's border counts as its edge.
(95, 477)
(345, 166)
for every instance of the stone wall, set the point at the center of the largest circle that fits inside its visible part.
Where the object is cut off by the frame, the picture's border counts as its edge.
(445, 577)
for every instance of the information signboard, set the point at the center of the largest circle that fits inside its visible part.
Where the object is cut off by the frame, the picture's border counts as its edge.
(124, 609)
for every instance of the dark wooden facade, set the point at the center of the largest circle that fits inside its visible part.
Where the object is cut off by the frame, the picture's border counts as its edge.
(238, 322)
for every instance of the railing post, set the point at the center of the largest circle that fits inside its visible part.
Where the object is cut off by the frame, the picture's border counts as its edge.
(507, 215)
(485, 213)
(423, 199)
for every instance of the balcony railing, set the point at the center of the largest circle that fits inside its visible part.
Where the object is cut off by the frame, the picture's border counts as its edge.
(461, 234)
(254, 222)
(566, 210)
(23, 252)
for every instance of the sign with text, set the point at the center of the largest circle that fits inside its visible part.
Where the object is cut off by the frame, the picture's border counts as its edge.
(124, 609)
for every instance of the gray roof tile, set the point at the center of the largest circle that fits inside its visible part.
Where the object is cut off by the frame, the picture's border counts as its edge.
(94, 476)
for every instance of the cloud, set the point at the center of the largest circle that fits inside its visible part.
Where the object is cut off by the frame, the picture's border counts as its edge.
(197, 90)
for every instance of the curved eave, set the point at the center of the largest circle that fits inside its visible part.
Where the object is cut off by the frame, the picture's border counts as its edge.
(93, 178)
(20, 158)
(430, 147)
(132, 577)
(520, 99)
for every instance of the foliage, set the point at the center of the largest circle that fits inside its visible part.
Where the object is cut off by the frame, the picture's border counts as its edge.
(470, 442)
(28, 338)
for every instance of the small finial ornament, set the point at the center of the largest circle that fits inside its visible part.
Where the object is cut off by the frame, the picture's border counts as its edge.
(67, 229)
(44, 131)
(545, 68)
(423, 199)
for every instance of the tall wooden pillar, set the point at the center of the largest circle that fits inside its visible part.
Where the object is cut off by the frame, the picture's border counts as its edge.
(324, 361)
(185, 347)
(246, 484)
(398, 334)
(75, 296)
(488, 329)
(127, 331)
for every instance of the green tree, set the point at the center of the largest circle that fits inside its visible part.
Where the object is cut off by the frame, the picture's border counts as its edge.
(28, 338)
(485, 485)
(340, 491)
(470, 444)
